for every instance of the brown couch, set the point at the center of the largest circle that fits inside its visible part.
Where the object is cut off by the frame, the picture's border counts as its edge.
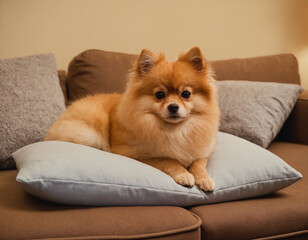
(281, 215)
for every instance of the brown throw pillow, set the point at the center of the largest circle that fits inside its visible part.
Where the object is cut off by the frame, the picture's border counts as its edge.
(96, 71)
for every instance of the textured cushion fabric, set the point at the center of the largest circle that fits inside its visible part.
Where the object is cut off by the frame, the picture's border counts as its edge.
(96, 71)
(255, 111)
(282, 213)
(70, 173)
(281, 68)
(21, 214)
(30, 101)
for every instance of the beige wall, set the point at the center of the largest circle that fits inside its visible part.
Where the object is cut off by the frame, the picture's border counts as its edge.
(222, 28)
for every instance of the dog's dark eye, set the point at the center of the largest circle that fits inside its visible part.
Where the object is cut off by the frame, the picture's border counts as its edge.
(160, 95)
(185, 94)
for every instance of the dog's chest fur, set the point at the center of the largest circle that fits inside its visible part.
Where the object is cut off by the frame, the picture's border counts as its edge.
(185, 143)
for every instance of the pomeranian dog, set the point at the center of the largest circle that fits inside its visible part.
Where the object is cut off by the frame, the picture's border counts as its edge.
(168, 118)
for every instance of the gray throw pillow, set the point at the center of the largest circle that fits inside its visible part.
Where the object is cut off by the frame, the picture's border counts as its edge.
(69, 173)
(255, 111)
(30, 101)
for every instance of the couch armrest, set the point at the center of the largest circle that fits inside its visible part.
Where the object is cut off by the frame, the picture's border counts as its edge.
(295, 128)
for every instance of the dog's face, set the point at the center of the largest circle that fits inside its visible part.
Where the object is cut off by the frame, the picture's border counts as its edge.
(172, 104)
(171, 91)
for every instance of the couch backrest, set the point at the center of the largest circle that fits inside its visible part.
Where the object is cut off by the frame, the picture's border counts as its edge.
(96, 71)
(281, 68)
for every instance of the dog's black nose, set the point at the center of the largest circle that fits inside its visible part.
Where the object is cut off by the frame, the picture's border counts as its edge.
(173, 108)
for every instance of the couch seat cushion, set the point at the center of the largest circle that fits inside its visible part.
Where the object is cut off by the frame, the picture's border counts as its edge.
(25, 217)
(283, 212)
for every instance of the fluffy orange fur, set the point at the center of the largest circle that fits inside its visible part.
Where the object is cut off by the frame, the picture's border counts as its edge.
(140, 125)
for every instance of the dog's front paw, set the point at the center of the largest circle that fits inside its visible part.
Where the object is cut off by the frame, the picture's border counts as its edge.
(206, 184)
(185, 179)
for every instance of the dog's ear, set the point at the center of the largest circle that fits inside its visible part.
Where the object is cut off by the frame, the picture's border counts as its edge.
(146, 61)
(195, 57)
